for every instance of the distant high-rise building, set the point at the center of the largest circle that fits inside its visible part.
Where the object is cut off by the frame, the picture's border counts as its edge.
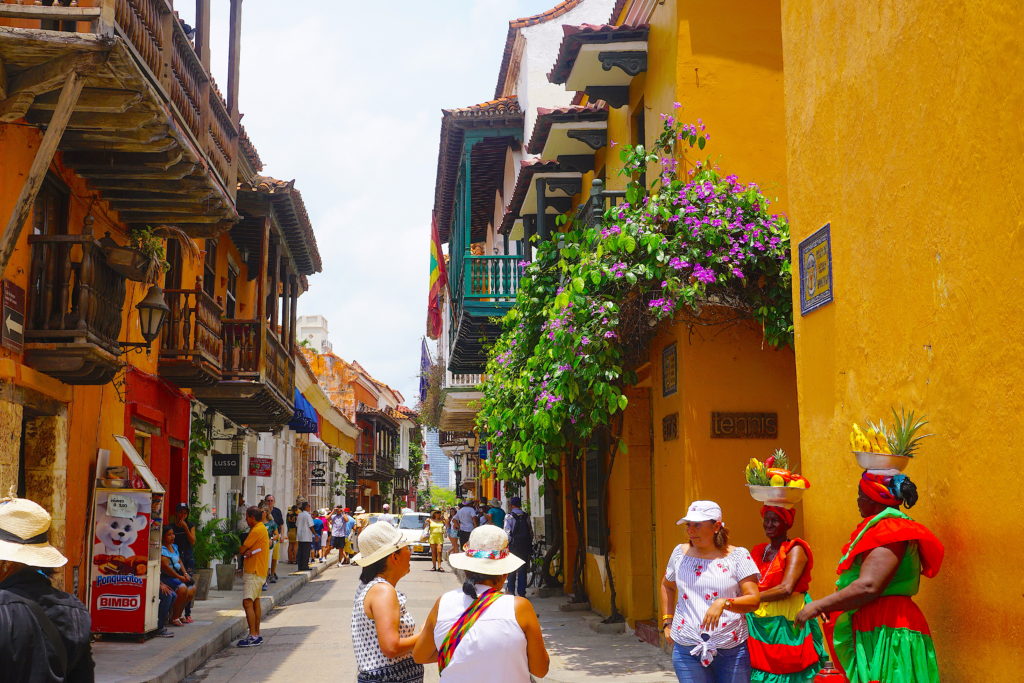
(313, 330)
(439, 462)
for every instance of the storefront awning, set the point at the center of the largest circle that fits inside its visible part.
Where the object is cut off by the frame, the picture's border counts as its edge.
(305, 419)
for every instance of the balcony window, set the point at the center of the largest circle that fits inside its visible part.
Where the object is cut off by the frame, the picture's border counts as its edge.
(210, 268)
(50, 213)
(231, 298)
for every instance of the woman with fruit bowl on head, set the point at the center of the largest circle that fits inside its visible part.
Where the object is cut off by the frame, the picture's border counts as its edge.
(880, 634)
(708, 585)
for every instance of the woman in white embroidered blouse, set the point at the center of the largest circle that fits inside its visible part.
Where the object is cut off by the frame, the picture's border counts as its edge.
(708, 585)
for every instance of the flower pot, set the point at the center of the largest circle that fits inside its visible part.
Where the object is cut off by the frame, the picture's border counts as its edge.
(225, 577)
(129, 262)
(881, 461)
(203, 579)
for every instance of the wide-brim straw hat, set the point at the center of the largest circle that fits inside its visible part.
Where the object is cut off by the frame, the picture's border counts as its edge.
(377, 541)
(486, 553)
(359, 510)
(24, 534)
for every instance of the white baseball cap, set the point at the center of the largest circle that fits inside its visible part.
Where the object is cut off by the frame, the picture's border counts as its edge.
(702, 511)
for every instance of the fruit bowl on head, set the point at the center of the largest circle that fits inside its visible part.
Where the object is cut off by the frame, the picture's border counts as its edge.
(881, 461)
(781, 496)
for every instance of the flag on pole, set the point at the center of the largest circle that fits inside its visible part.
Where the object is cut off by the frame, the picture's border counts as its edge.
(425, 362)
(438, 281)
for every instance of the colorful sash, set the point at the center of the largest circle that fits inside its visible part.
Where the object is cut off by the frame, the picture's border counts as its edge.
(462, 626)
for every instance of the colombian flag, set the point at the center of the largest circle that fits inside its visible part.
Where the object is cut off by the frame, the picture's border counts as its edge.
(438, 281)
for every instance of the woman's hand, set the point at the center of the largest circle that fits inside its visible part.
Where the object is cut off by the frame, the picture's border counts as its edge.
(808, 612)
(713, 615)
(667, 632)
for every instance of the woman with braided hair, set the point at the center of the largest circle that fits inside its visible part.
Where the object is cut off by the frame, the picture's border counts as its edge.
(780, 652)
(880, 634)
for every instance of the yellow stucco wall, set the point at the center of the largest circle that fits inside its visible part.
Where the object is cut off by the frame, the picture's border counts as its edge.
(904, 132)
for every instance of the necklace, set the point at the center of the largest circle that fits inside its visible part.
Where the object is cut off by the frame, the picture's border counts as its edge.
(764, 556)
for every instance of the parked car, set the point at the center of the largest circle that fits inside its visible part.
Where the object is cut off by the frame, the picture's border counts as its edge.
(411, 526)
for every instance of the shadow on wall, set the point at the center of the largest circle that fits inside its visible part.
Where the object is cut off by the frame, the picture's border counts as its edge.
(739, 38)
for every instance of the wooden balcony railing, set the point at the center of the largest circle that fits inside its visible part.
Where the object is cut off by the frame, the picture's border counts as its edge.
(252, 352)
(74, 296)
(153, 32)
(191, 345)
(280, 368)
(375, 467)
(455, 379)
(493, 278)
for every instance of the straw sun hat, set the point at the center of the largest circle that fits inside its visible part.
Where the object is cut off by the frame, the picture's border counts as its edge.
(24, 532)
(377, 541)
(487, 553)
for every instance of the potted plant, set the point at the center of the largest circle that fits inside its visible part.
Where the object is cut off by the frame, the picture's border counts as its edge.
(145, 256)
(203, 553)
(226, 544)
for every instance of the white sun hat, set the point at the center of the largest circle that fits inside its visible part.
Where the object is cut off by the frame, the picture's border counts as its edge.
(702, 511)
(487, 553)
(24, 534)
(377, 541)
(359, 510)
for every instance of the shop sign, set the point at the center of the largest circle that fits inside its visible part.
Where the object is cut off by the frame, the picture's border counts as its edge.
(815, 254)
(226, 465)
(744, 425)
(318, 473)
(260, 467)
(12, 326)
(670, 427)
(669, 370)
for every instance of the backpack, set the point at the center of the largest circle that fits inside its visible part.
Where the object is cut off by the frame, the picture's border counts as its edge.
(521, 537)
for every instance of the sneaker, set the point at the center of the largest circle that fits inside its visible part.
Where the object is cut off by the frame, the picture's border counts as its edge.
(258, 640)
(164, 633)
(248, 641)
(272, 579)
(265, 586)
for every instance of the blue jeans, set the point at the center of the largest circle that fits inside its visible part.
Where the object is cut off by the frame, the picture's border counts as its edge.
(517, 577)
(728, 666)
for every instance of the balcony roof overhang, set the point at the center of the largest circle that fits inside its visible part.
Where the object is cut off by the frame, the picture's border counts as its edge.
(460, 409)
(569, 131)
(601, 60)
(558, 193)
(279, 198)
(126, 136)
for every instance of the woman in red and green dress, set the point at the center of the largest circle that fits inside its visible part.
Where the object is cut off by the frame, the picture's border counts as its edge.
(880, 634)
(779, 651)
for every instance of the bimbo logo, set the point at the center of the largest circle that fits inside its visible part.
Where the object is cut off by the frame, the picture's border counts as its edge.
(124, 603)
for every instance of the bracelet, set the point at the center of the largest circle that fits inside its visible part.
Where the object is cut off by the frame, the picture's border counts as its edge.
(728, 604)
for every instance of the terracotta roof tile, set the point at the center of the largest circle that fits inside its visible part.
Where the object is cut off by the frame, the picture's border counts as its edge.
(594, 111)
(513, 30)
(294, 219)
(249, 150)
(575, 36)
(502, 112)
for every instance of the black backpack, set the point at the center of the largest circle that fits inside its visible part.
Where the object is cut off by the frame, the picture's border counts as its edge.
(521, 537)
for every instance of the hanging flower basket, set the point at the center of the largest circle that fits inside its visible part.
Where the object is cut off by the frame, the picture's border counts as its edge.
(130, 262)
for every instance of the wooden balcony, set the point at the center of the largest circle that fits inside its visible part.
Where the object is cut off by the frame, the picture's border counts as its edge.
(73, 310)
(257, 377)
(485, 288)
(401, 486)
(375, 467)
(149, 129)
(191, 344)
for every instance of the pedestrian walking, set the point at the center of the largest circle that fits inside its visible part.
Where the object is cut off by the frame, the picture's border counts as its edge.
(289, 520)
(174, 575)
(708, 586)
(318, 529)
(277, 536)
(304, 534)
(383, 629)
(880, 634)
(453, 532)
(254, 573)
(185, 539)
(339, 533)
(495, 515)
(271, 526)
(37, 621)
(779, 650)
(386, 515)
(325, 535)
(520, 542)
(435, 536)
(478, 629)
(467, 519)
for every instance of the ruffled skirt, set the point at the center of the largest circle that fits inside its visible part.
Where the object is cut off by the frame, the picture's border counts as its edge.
(779, 652)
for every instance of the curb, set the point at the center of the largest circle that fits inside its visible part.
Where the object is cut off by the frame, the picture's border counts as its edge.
(228, 629)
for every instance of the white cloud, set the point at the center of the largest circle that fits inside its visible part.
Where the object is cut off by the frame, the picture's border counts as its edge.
(346, 98)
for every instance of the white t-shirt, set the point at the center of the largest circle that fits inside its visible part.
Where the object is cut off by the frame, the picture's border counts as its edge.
(700, 582)
(466, 515)
(495, 643)
(303, 533)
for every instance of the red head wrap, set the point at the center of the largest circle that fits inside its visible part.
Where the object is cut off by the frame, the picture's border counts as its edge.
(787, 515)
(877, 488)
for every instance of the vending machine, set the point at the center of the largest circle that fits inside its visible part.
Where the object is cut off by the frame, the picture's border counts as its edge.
(127, 524)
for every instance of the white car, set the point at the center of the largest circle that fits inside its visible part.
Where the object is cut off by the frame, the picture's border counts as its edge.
(411, 526)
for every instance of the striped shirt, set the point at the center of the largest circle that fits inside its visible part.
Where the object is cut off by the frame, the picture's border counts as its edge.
(699, 582)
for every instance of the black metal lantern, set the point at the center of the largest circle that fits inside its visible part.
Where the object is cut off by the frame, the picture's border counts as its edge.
(153, 311)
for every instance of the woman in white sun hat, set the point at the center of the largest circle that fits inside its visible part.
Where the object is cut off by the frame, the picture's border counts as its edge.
(708, 586)
(383, 630)
(477, 631)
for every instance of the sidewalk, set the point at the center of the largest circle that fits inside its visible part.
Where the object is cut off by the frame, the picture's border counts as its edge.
(579, 654)
(219, 621)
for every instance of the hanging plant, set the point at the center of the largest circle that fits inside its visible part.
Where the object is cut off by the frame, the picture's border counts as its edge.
(698, 247)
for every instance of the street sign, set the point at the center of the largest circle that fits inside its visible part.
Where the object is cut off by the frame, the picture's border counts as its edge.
(260, 467)
(318, 473)
(12, 325)
(226, 465)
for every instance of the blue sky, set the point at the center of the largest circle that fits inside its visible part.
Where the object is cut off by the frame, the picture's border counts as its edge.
(348, 102)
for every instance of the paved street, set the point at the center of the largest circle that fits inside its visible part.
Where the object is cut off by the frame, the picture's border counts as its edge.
(308, 638)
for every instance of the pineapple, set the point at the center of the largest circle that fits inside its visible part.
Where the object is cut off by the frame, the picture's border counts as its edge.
(903, 437)
(781, 460)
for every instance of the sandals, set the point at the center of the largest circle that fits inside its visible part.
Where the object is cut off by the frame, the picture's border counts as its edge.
(185, 620)
(175, 622)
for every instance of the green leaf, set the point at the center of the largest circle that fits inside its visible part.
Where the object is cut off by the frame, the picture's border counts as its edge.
(578, 284)
(630, 243)
(623, 402)
(701, 141)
